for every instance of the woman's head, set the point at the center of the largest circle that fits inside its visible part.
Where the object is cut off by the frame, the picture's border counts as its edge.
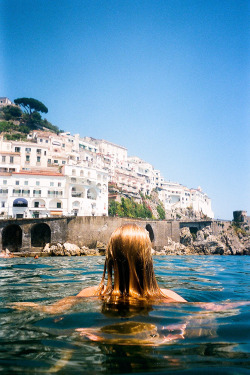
(129, 264)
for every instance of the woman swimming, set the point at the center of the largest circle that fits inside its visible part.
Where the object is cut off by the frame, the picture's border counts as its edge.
(130, 274)
(129, 267)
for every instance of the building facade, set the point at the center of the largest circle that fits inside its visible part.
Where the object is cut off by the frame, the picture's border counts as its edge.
(64, 174)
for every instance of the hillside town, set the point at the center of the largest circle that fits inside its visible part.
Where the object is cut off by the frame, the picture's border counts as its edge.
(52, 174)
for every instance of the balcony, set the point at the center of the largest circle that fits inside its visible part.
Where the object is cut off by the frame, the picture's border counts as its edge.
(76, 194)
(55, 194)
(37, 195)
(3, 195)
(21, 195)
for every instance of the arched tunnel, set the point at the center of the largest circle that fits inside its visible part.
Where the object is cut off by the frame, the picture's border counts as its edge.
(40, 235)
(12, 238)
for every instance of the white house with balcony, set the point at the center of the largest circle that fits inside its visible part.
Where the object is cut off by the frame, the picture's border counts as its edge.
(87, 190)
(33, 194)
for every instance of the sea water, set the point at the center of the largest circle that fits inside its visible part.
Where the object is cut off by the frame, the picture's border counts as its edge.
(33, 342)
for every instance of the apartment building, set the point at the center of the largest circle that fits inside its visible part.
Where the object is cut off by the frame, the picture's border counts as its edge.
(173, 195)
(49, 175)
(32, 194)
(82, 169)
(87, 189)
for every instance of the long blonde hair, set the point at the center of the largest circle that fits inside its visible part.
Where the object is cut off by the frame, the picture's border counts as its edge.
(129, 265)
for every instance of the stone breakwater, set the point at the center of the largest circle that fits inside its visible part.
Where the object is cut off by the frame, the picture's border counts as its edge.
(232, 241)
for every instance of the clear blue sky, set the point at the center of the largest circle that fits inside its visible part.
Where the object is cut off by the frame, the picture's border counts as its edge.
(166, 79)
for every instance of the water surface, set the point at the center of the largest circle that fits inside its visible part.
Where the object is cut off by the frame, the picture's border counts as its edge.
(32, 342)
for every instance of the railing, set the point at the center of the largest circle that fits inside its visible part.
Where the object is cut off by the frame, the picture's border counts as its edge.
(76, 195)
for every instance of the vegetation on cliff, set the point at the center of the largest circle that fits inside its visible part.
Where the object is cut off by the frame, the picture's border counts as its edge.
(16, 124)
(129, 208)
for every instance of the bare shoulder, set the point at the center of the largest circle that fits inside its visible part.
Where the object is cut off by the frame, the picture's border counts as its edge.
(170, 294)
(88, 292)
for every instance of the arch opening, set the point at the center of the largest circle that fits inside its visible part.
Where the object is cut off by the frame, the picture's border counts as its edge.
(12, 238)
(150, 231)
(20, 202)
(40, 235)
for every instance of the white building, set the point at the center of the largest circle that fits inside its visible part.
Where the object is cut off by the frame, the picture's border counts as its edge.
(75, 172)
(5, 101)
(51, 175)
(87, 191)
(32, 194)
(176, 196)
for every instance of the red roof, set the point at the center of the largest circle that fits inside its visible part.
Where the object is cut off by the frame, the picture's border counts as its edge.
(40, 173)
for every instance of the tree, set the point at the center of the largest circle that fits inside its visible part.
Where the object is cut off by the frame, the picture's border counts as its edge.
(11, 112)
(161, 212)
(31, 105)
(31, 116)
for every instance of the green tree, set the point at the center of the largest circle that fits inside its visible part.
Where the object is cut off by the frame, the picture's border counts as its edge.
(161, 212)
(11, 112)
(6, 127)
(112, 208)
(32, 108)
(124, 207)
(31, 105)
(46, 124)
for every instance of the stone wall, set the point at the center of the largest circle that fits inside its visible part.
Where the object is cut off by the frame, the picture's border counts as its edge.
(87, 230)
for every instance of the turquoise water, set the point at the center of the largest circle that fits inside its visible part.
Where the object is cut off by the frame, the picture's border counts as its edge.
(32, 342)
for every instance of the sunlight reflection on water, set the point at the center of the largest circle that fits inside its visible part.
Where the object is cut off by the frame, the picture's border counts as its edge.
(33, 342)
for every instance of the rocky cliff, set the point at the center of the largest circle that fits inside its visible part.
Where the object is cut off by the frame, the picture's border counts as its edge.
(234, 240)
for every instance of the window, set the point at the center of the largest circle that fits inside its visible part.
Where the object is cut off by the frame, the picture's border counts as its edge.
(55, 161)
(59, 205)
(37, 183)
(63, 145)
(17, 182)
(63, 162)
(59, 184)
(41, 140)
(26, 192)
(16, 191)
(46, 141)
(3, 204)
(36, 204)
(3, 159)
(28, 150)
(49, 161)
(17, 149)
(11, 159)
(5, 182)
(27, 159)
(26, 183)
(36, 193)
(44, 152)
(38, 159)
(51, 183)
(38, 151)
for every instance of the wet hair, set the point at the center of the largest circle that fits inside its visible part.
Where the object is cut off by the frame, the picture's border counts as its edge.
(129, 265)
